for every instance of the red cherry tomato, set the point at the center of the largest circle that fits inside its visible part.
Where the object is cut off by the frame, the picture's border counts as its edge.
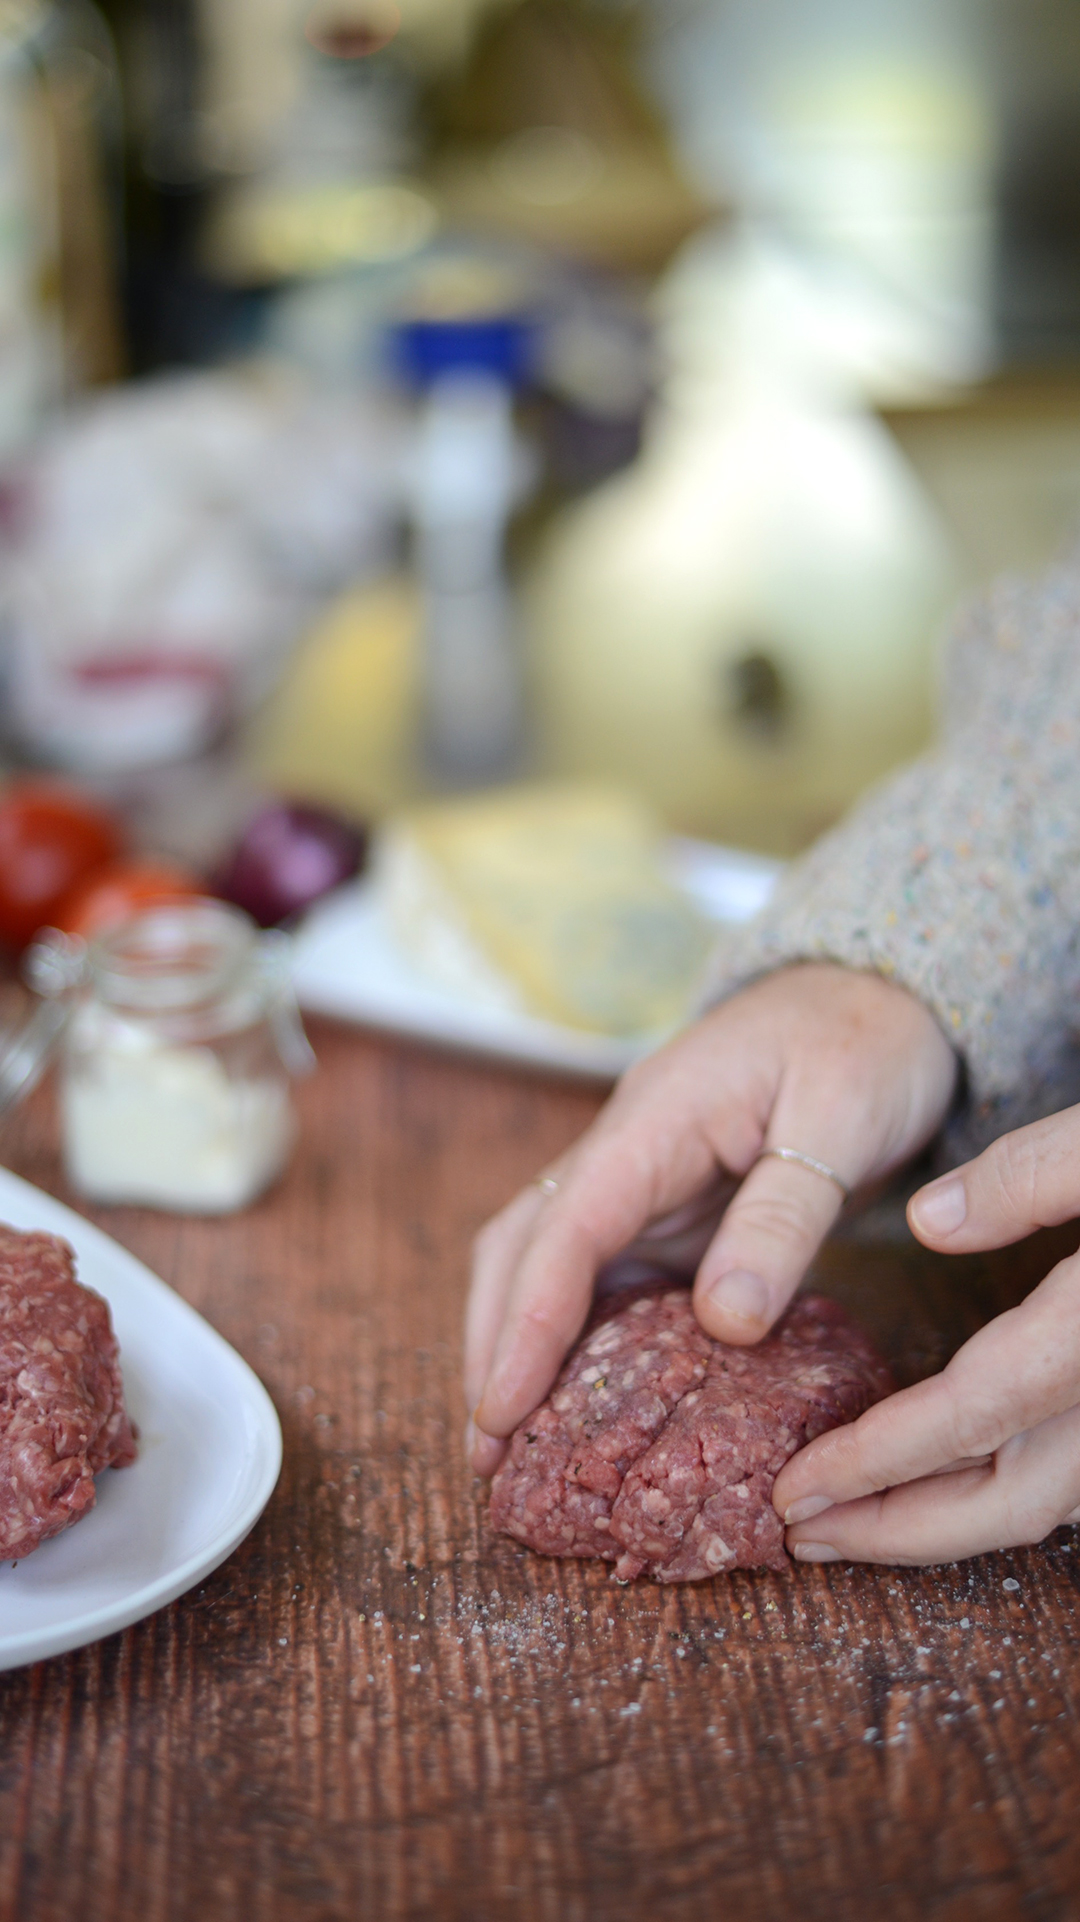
(50, 837)
(113, 894)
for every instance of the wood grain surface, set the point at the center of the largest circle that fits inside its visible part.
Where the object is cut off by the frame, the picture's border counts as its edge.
(378, 1709)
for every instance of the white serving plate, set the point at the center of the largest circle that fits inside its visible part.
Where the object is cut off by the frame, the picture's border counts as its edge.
(347, 963)
(209, 1456)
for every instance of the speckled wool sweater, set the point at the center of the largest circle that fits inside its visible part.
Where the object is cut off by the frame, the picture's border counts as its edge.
(960, 876)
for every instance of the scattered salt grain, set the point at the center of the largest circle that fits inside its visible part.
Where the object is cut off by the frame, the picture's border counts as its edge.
(1011, 1584)
(965, 1621)
(632, 1708)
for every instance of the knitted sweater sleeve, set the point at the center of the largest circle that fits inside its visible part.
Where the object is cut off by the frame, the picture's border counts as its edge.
(960, 877)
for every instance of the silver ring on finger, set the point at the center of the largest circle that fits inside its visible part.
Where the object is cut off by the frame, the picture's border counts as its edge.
(808, 1161)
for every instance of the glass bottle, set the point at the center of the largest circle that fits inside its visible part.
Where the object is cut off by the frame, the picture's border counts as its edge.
(176, 1058)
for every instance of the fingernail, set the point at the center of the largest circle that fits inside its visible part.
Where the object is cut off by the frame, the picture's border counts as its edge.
(483, 1452)
(815, 1552)
(741, 1294)
(942, 1208)
(804, 1511)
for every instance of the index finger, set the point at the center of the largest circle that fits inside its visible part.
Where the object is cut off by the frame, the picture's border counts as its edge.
(1028, 1489)
(1020, 1369)
(496, 1252)
(613, 1186)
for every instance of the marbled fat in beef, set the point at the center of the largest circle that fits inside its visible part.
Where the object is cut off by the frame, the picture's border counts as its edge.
(658, 1447)
(62, 1414)
(618, 1388)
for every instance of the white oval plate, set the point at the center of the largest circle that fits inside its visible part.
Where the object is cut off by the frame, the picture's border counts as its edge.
(209, 1456)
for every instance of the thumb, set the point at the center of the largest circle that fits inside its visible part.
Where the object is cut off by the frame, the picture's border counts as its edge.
(763, 1247)
(1026, 1180)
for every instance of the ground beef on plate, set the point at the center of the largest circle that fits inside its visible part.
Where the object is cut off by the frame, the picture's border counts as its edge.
(658, 1447)
(62, 1414)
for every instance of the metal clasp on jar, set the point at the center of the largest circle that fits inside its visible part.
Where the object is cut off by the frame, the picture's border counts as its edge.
(273, 963)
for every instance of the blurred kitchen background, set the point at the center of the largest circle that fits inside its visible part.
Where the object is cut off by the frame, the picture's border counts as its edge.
(399, 397)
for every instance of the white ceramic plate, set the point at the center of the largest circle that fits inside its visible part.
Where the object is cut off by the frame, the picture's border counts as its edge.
(209, 1456)
(348, 964)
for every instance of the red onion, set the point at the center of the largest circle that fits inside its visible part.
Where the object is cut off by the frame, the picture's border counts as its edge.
(288, 857)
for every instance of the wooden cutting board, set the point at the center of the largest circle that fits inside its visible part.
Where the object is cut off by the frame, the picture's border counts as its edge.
(378, 1709)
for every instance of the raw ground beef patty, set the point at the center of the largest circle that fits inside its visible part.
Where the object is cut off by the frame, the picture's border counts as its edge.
(658, 1447)
(62, 1415)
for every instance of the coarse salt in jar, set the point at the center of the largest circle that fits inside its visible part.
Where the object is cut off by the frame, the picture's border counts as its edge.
(176, 1057)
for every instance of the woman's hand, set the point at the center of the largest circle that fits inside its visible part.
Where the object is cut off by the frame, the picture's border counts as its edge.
(986, 1454)
(843, 1066)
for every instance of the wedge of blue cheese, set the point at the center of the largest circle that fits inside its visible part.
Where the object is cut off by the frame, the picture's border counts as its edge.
(545, 900)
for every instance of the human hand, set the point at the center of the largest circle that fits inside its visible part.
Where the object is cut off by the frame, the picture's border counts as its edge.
(986, 1454)
(844, 1066)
